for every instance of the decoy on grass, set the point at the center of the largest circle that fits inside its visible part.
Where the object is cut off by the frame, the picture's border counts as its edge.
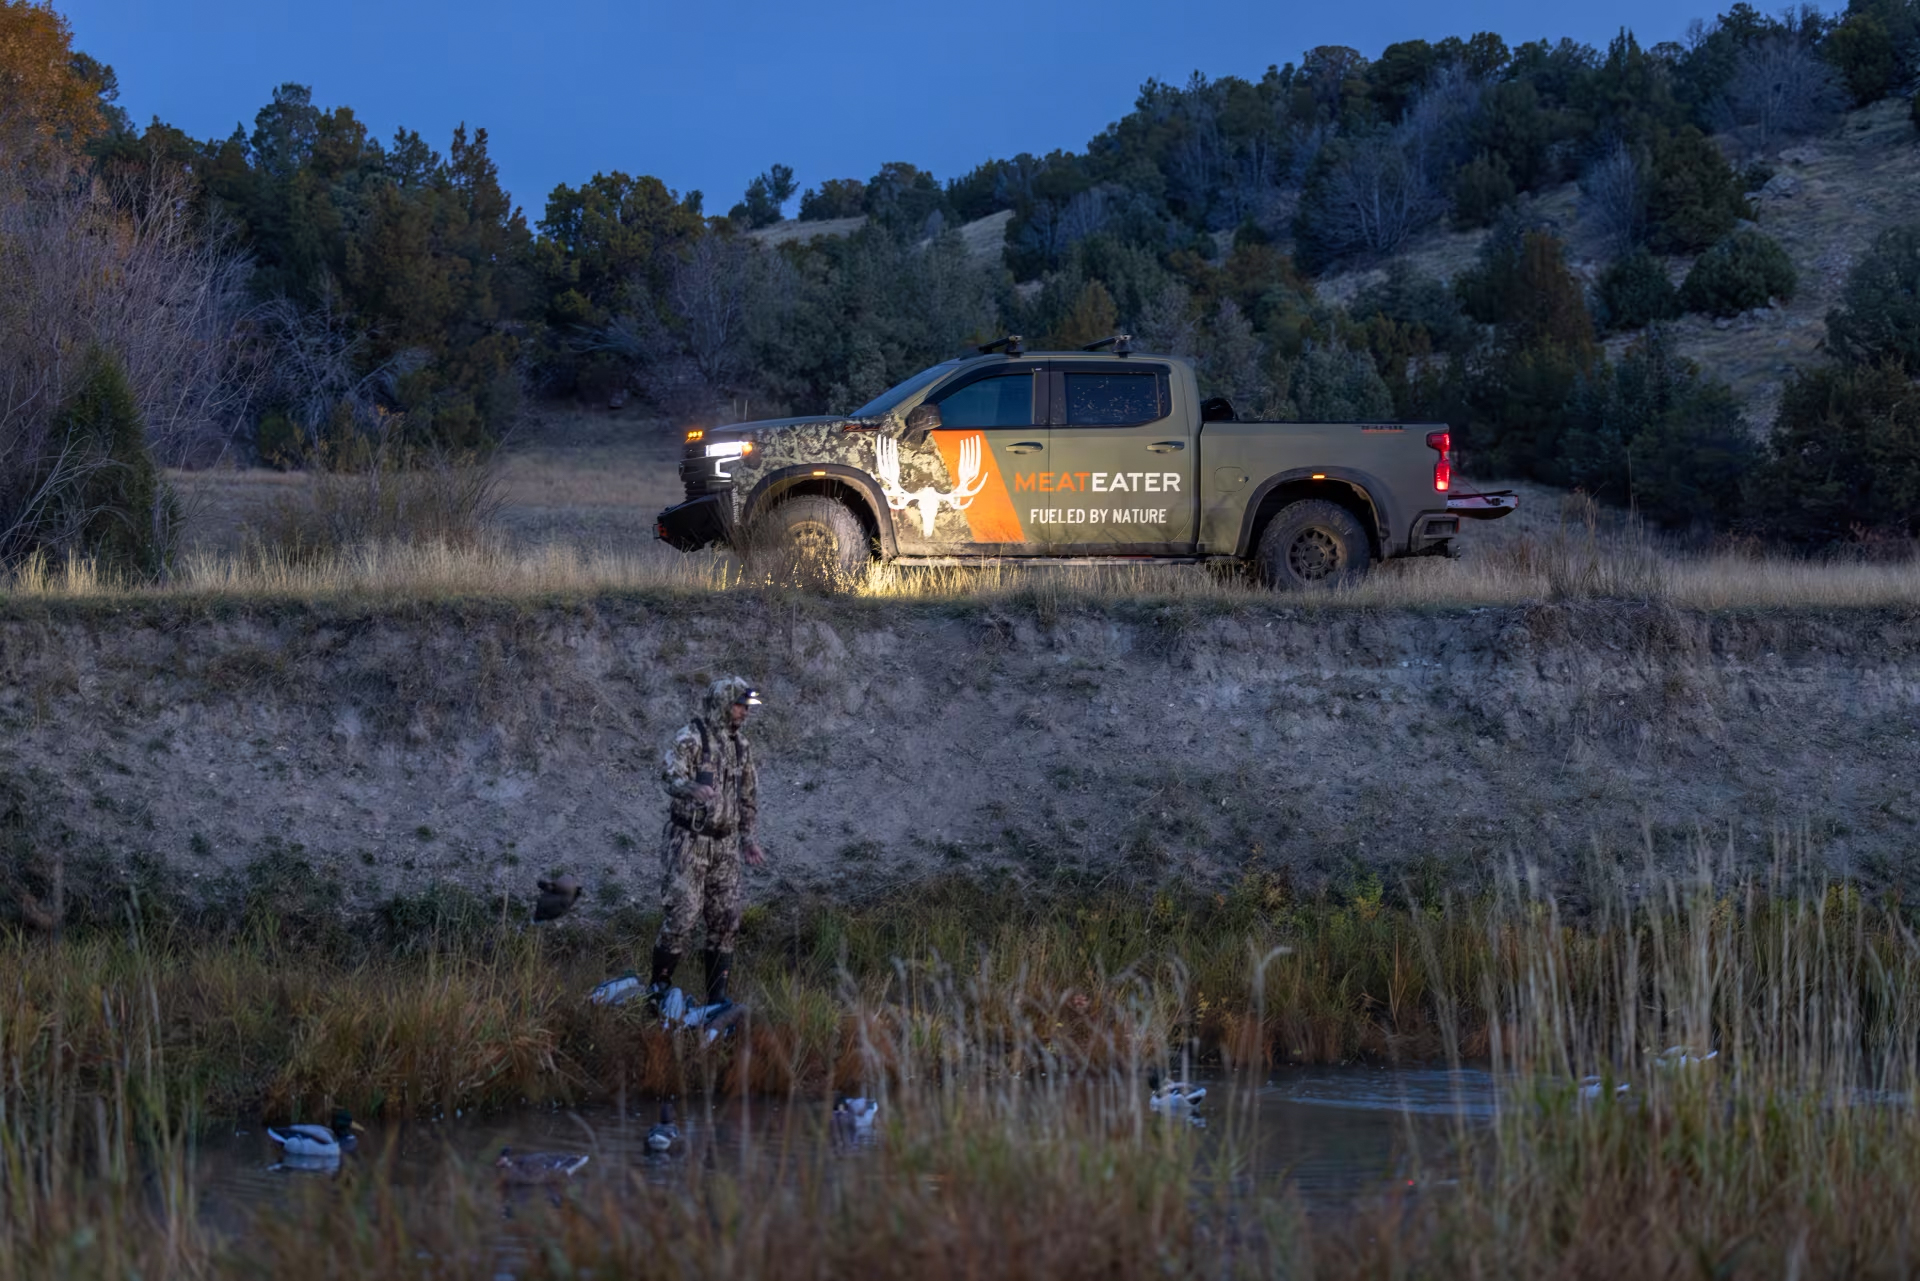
(318, 1142)
(557, 897)
(1172, 1096)
(538, 1167)
(665, 1135)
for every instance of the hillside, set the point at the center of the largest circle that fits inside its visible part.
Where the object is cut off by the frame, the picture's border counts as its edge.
(1828, 198)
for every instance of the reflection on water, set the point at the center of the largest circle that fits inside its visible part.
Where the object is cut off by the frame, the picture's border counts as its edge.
(1333, 1136)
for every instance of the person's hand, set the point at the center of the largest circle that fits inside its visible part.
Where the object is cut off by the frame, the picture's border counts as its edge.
(703, 793)
(755, 855)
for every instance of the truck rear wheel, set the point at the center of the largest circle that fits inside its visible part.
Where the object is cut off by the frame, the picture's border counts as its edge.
(1312, 543)
(811, 536)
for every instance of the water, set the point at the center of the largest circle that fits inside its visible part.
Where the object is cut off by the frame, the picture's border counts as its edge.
(1333, 1137)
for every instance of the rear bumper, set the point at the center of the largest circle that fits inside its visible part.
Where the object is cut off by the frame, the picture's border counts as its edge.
(1483, 506)
(696, 523)
(1433, 531)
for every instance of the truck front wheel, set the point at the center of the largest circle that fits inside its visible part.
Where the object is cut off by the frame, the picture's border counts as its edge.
(810, 535)
(1312, 543)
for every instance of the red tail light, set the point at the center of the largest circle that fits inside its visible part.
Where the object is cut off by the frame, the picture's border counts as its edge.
(1441, 442)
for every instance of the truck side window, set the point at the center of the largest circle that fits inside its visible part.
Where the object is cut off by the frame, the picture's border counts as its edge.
(1003, 400)
(1114, 400)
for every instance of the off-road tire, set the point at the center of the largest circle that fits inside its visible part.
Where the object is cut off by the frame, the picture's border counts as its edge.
(1312, 543)
(810, 537)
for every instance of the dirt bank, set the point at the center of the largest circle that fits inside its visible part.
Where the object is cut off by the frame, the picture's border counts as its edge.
(393, 746)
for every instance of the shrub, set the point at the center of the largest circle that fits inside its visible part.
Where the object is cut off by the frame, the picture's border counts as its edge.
(835, 198)
(1862, 50)
(1652, 432)
(1740, 272)
(1634, 292)
(1481, 190)
(1693, 196)
(1878, 317)
(1844, 456)
(105, 496)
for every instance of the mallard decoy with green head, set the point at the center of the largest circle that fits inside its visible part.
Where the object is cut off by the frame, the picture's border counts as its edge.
(318, 1142)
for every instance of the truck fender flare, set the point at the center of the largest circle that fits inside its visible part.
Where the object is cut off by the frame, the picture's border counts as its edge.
(776, 483)
(1369, 488)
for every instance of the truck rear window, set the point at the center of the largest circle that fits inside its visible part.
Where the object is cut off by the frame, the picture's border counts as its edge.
(1114, 400)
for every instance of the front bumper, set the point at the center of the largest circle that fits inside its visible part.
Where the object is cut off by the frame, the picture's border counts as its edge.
(696, 523)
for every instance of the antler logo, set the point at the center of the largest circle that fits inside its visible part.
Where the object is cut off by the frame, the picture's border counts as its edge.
(972, 479)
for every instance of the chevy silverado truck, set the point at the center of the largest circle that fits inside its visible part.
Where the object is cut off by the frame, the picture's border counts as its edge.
(1093, 454)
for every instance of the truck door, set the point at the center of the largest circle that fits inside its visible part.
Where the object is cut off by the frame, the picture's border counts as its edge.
(953, 497)
(1119, 475)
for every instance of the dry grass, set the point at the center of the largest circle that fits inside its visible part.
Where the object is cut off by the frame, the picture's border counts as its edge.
(1520, 572)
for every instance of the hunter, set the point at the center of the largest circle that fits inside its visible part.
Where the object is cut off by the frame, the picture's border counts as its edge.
(711, 782)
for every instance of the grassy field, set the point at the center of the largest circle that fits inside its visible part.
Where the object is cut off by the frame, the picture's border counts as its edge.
(1009, 1040)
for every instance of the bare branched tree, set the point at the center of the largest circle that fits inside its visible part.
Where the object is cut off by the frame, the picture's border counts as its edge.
(1614, 196)
(139, 279)
(1781, 88)
(1372, 197)
(1165, 322)
(314, 356)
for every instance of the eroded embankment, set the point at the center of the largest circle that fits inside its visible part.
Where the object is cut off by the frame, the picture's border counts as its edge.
(392, 746)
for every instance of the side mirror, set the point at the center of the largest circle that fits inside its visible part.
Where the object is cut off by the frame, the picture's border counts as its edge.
(923, 419)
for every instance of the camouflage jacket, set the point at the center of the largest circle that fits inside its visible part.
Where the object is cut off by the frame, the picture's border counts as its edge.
(728, 757)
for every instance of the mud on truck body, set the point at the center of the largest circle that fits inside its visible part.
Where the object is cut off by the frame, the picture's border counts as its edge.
(1079, 455)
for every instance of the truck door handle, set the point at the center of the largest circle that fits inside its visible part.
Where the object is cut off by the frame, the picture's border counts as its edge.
(1166, 446)
(1025, 447)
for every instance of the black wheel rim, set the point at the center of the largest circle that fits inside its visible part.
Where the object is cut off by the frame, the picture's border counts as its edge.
(1314, 556)
(812, 540)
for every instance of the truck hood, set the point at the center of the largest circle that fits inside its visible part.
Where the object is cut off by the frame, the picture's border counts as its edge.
(766, 425)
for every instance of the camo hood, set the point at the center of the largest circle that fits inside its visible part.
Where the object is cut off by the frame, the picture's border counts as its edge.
(721, 695)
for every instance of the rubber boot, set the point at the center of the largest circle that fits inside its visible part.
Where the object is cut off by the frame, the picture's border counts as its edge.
(664, 963)
(719, 969)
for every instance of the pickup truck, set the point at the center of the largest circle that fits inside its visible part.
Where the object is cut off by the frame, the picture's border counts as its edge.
(1094, 454)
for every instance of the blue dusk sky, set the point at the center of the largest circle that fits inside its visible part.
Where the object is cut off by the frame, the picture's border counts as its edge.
(706, 95)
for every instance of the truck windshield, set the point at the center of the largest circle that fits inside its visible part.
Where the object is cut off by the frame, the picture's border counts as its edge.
(887, 400)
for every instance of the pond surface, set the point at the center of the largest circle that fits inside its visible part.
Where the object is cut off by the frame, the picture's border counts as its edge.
(1331, 1136)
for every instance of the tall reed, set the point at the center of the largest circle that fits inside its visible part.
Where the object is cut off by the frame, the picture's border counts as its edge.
(1008, 1041)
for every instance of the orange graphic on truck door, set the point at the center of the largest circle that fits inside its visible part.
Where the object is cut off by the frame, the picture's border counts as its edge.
(990, 515)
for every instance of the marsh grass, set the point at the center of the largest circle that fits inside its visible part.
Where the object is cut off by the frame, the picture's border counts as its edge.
(1008, 1038)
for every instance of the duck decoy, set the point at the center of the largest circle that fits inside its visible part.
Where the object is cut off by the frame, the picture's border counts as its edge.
(557, 897)
(538, 1167)
(665, 1135)
(1172, 1096)
(1592, 1087)
(318, 1142)
(1676, 1057)
(855, 1114)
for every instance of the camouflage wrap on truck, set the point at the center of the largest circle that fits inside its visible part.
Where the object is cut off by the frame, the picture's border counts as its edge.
(929, 488)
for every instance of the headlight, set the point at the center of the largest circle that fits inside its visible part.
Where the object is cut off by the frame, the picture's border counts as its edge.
(729, 448)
